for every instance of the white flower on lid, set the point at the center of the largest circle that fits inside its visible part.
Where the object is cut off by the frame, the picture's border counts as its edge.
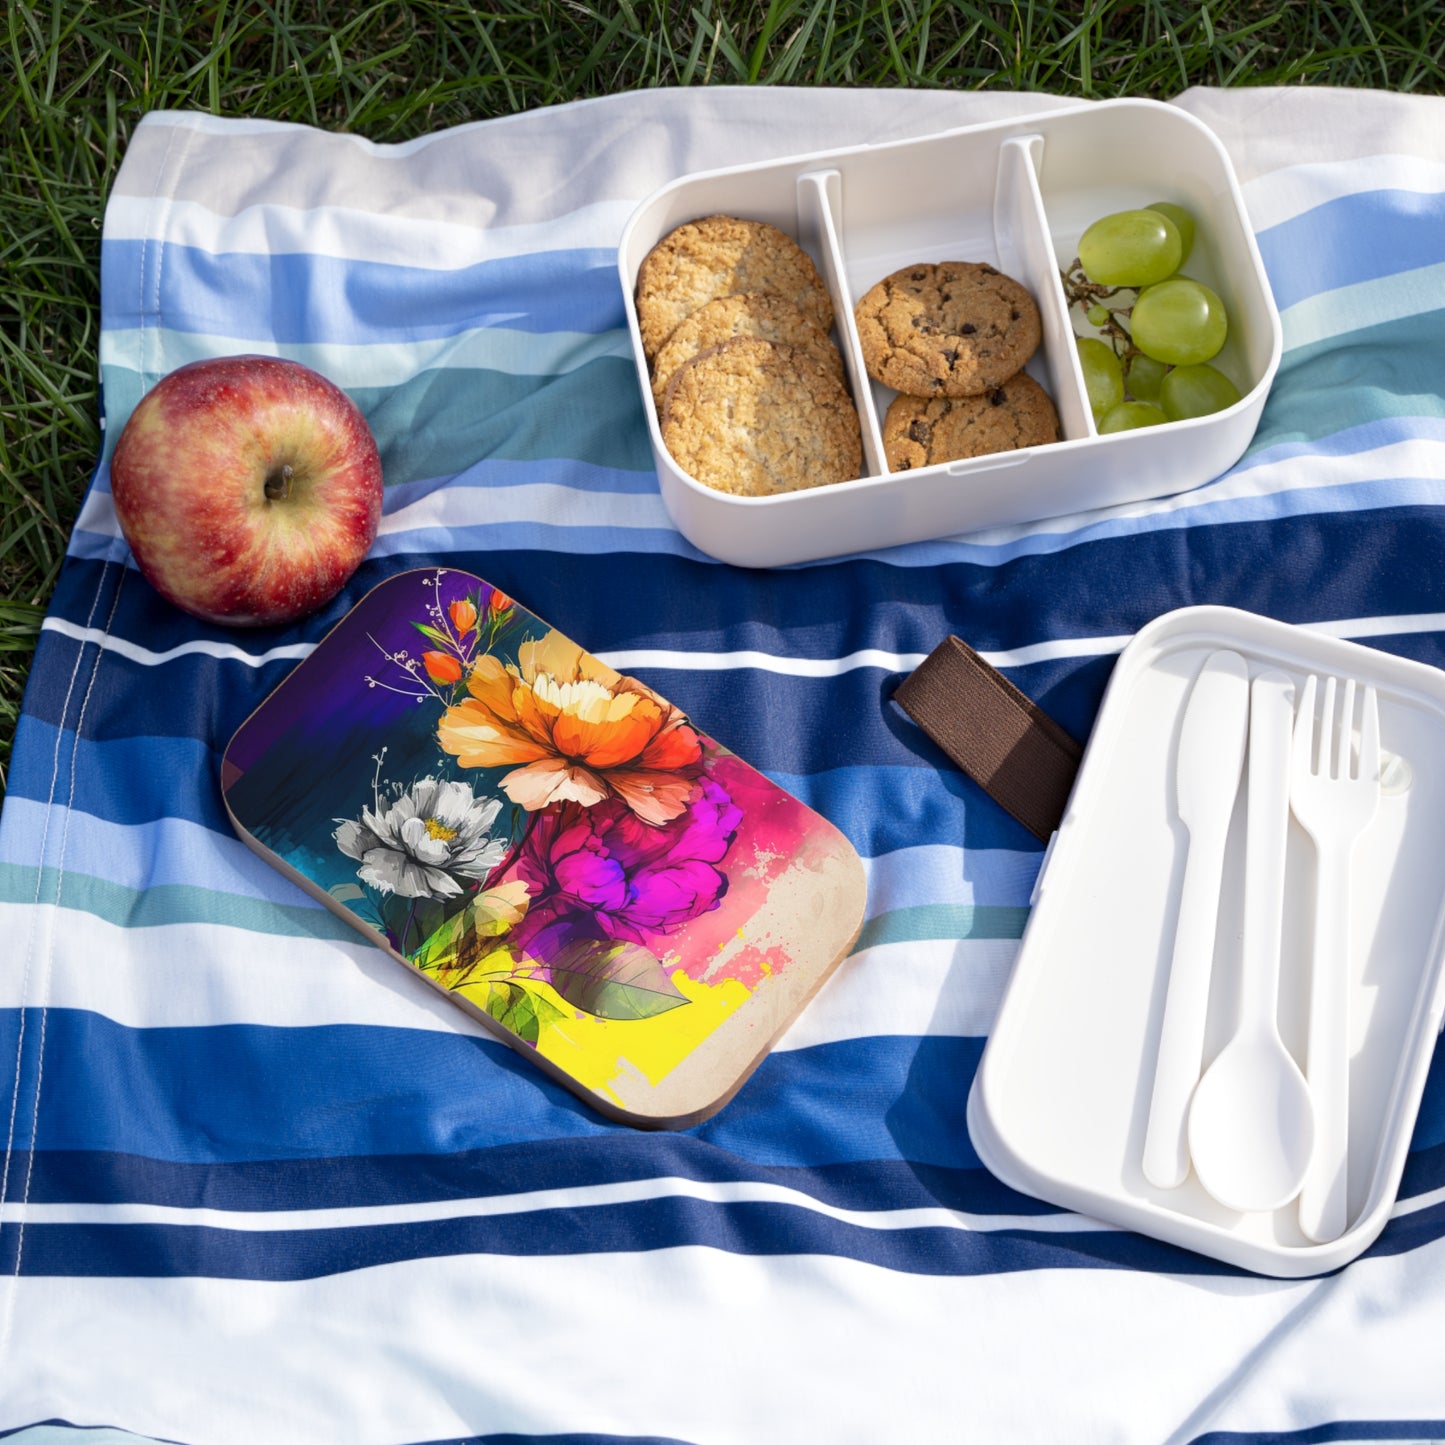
(432, 835)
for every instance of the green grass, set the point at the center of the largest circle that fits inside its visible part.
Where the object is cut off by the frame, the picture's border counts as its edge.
(76, 77)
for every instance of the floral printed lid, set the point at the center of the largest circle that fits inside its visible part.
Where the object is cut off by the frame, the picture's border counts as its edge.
(550, 843)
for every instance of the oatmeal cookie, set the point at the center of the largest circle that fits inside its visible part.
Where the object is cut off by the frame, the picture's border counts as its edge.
(956, 328)
(918, 432)
(752, 417)
(717, 256)
(748, 313)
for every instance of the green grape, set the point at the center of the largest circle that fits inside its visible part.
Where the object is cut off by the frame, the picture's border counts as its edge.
(1129, 415)
(1103, 376)
(1183, 223)
(1098, 315)
(1179, 322)
(1196, 391)
(1144, 376)
(1130, 248)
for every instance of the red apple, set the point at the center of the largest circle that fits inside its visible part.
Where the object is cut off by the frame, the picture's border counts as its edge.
(248, 487)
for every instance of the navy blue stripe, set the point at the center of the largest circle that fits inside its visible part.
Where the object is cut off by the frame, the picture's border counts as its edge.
(1410, 1231)
(204, 697)
(1424, 1170)
(1359, 567)
(85, 592)
(58, 1176)
(620, 1156)
(1353, 238)
(758, 1230)
(128, 780)
(201, 696)
(1351, 566)
(1430, 1126)
(568, 1439)
(299, 297)
(509, 1438)
(1417, 1432)
(753, 1228)
(205, 1094)
(1298, 569)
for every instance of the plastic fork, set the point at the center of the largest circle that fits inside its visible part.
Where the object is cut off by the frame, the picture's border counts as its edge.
(1334, 793)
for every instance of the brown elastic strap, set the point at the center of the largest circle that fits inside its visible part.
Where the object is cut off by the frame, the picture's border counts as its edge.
(1008, 745)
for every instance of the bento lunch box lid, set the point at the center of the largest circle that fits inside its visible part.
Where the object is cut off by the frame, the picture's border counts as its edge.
(1059, 1105)
(554, 847)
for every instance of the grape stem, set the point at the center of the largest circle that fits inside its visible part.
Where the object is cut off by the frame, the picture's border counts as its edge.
(1086, 295)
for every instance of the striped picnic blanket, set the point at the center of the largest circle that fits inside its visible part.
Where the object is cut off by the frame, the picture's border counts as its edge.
(259, 1184)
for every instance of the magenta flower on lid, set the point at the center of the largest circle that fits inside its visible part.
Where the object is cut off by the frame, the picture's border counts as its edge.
(601, 872)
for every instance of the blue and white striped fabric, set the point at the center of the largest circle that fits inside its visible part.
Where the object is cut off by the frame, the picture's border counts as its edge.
(259, 1184)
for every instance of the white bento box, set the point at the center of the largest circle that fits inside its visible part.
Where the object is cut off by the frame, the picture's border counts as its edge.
(1061, 1102)
(1016, 195)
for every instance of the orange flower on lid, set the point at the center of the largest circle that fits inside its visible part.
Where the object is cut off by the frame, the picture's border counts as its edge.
(441, 667)
(499, 602)
(573, 730)
(463, 615)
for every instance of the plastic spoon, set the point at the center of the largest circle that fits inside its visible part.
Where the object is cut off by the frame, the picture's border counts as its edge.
(1251, 1122)
(1211, 754)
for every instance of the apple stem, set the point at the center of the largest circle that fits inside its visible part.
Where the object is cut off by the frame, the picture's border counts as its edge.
(278, 484)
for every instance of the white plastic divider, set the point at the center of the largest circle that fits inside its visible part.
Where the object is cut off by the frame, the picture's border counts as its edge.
(1026, 248)
(1025, 252)
(820, 224)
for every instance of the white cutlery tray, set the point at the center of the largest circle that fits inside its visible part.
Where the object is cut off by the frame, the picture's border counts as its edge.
(1060, 1104)
(1017, 195)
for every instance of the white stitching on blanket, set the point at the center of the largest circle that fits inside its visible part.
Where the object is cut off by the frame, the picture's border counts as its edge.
(44, 989)
(164, 189)
(30, 949)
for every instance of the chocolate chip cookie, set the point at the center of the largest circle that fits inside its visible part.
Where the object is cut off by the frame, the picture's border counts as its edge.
(717, 256)
(955, 328)
(918, 432)
(749, 313)
(752, 417)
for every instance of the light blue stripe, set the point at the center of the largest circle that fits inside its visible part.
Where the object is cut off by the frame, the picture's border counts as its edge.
(163, 904)
(433, 543)
(166, 853)
(934, 872)
(436, 542)
(536, 537)
(941, 921)
(494, 472)
(1383, 491)
(1268, 449)
(307, 299)
(1353, 238)
(351, 367)
(1304, 501)
(1298, 423)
